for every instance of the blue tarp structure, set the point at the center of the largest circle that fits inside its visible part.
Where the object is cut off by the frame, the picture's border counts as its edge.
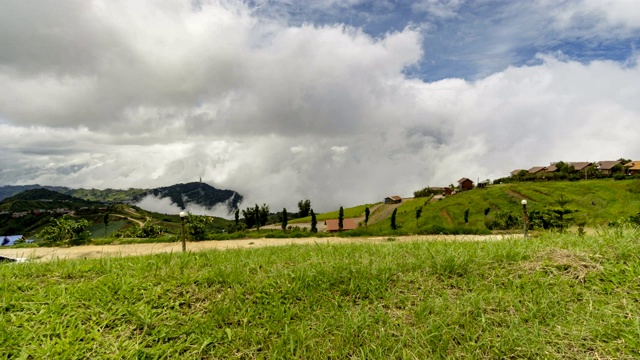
(11, 239)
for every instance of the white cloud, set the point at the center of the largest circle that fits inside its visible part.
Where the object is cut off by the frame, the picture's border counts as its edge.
(597, 18)
(438, 8)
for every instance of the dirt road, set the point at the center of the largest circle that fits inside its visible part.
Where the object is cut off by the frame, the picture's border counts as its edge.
(97, 251)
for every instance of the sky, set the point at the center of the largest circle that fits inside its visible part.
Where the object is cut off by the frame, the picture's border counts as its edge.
(342, 102)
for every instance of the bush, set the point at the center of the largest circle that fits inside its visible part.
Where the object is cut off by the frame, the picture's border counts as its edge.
(65, 231)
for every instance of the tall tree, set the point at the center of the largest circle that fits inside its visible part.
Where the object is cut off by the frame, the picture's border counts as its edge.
(256, 215)
(249, 217)
(366, 216)
(466, 217)
(106, 223)
(418, 213)
(284, 219)
(340, 219)
(314, 222)
(393, 219)
(263, 214)
(237, 216)
(304, 206)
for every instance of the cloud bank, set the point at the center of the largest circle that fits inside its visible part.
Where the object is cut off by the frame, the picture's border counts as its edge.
(145, 94)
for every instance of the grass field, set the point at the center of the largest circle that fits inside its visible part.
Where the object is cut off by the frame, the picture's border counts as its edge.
(348, 213)
(595, 201)
(556, 296)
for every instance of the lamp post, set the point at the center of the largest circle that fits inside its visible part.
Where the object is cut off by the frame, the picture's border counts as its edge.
(184, 236)
(525, 218)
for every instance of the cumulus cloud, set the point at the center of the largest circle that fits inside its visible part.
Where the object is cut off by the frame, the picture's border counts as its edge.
(168, 92)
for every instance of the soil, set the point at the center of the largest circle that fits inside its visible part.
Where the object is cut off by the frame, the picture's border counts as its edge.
(98, 251)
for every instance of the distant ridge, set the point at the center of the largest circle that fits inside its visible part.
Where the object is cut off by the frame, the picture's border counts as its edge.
(198, 193)
(8, 191)
(41, 199)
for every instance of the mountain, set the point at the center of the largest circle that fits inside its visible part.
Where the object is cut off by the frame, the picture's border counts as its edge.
(10, 190)
(182, 195)
(198, 193)
(41, 199)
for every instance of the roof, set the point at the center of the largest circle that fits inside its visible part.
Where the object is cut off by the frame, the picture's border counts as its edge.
(516, 171)
(580, 165)
(607, 165)
(395, 197)
(10, 239)
(634, 165)
(463, 180)
(347, 224)
(536, 169)
(551, 168)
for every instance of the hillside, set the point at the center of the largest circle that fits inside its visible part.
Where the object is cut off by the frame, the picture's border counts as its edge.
(40, 199)
(7, 191)
(595, 202)
(106, 195)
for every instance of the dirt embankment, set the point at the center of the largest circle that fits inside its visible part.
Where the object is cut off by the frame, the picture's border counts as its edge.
(98, 251)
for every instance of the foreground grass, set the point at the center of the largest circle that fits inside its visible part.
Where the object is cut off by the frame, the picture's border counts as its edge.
(557, 296)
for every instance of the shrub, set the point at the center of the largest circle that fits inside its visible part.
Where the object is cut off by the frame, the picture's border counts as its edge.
(65, 231)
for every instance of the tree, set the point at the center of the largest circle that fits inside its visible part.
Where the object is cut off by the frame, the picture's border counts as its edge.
(284, 219)
(237, 216)
(304, 206)
(393, 219)
(106, 223)
(196, 226)
(65, 231)
(418, 213)
(256, 216)
(366, 216)
(314, 222)
(249, 217)
(340, 218)
(263, 214)
(466, 217)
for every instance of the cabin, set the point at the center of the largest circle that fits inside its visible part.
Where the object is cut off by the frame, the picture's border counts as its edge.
(393, 200)
(633, 167)
(465, 184)
(607, 167)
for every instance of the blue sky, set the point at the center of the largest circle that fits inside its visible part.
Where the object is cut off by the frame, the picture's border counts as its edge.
(471, 39)
(340, 102)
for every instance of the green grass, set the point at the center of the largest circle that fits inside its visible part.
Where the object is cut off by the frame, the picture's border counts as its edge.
(348, 213)
(598, 201)
(97, 230)
(557, 296)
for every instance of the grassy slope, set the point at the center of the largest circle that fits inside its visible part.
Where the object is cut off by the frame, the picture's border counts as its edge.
(348, 213)
(559, 296)
(599, 201)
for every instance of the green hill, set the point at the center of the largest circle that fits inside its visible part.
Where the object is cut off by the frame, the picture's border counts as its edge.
(595, 202)
(351, 212)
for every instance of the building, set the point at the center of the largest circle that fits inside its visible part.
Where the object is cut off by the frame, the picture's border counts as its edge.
(579, 166)
(347, 224)
(465, 184)
(393, 200)
(633, 167)
(551, 168)
(606, 167)
(537, 170)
